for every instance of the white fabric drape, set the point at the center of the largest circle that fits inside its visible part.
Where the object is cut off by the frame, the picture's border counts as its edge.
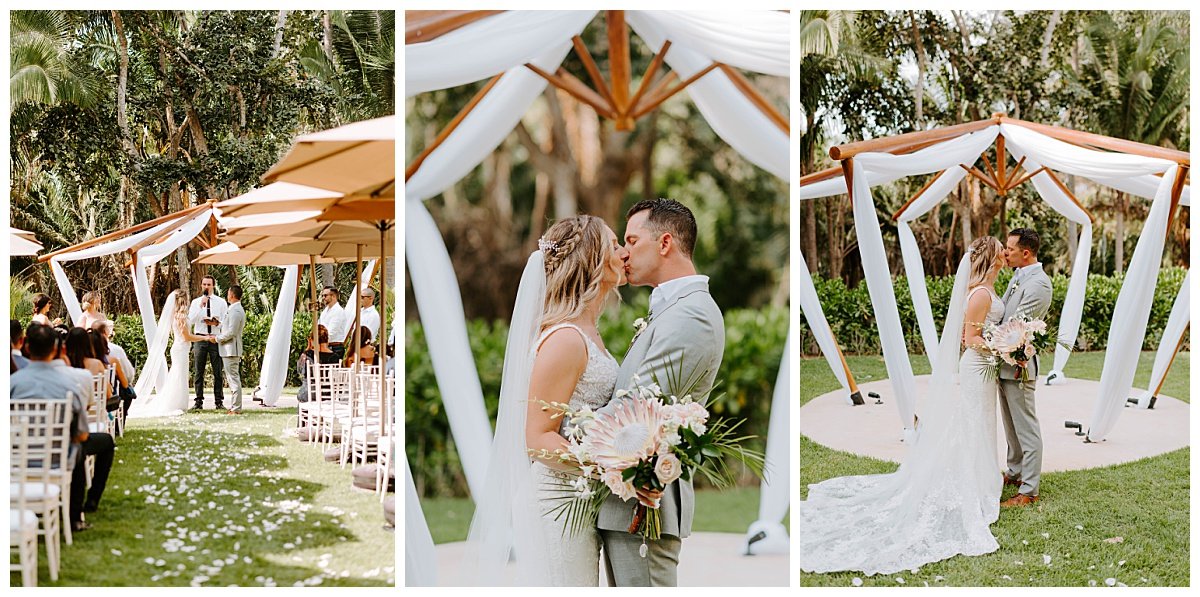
(774, 493)
(753, 40)
(420, 560)
(1131, 314)
(279, 339)
(810, 305)
(1072, 159)
(488, 47)
(734, 118)
(1177, 325)
(116, 246)
(440, 306)
(155, 370)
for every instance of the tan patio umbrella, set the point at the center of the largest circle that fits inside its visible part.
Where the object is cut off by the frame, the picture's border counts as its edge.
(228, 253)
(22, 242)
(355, 159)
(286, 196)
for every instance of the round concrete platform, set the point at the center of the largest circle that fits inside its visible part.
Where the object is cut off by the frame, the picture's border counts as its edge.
(874, 429)
(705, 560)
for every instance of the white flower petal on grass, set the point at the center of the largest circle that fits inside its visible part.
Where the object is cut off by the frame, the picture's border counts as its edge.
(1110, 582)
(899, 580)
(1046, 559)
(856, 581)
(1079, 527)
(1045, 535)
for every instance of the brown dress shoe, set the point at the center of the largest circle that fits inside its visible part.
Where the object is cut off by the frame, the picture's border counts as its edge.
(1012, 481)
(1019, 500)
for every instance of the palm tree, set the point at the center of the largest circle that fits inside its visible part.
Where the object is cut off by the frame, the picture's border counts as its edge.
(1139, 75)
(361, 63)
(44, 68)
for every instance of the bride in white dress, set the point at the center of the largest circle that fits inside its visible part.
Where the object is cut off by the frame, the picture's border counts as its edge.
(946, 493)
(173, 398)
(554, 354)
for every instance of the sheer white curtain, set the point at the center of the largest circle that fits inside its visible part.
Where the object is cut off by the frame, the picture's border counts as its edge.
(488, 47)
(774, 493)
(279, 339)
(754, 40)
(810, 305)
(1131, 315)
(1177, 325)
(420, 560)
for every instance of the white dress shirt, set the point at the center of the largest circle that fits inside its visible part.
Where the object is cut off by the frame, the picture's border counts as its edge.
(664, 293)
(117, 354)
(334, 320)
(370, 320)
(197, 314)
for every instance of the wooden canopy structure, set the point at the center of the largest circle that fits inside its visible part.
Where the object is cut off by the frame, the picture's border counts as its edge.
(206, 241)
(612, 97)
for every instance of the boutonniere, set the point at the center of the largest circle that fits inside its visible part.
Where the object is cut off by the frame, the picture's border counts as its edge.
(639, 326)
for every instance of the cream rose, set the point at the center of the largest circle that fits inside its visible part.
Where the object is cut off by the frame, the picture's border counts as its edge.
(668, 469)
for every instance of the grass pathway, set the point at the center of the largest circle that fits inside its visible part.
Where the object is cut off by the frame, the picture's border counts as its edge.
(1121, 525)
(213, 500)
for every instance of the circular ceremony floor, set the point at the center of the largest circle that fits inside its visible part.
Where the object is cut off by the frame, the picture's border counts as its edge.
(874, 429)
(706, 560)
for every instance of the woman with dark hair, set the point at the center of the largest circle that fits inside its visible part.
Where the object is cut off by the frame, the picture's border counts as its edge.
(364, 348)
(81, 355)
(41, 310)
(101, 352)
(327, 357)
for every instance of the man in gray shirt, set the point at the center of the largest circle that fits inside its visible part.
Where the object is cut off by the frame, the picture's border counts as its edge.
(46, 377)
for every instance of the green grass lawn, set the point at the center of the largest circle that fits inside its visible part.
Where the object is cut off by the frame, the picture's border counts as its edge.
(1125, 524)
(728, 511)
(214, 500)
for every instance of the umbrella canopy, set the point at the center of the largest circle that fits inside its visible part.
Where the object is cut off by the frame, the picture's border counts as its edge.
(298, 232)
(287, 197)
(355, 159)
(228, 253)
(22, 242)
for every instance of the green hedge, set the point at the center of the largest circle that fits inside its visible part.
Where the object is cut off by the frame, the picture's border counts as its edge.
(753, 346)
(850, 314)
(128, 334)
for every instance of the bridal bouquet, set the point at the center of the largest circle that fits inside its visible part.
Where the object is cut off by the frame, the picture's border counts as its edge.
(1019, 339)
(645, 439)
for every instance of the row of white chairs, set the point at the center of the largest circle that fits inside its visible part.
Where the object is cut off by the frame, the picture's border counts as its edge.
(39, 482)
(345, 407)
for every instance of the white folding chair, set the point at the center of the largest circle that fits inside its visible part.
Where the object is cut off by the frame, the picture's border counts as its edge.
(117, 416)
(386, 445)
(319, 393)
(335, 411)
(34, 479)
(22, 520)
(361, 429)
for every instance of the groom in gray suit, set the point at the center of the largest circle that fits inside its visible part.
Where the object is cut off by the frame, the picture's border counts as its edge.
(1029, 293)
(679, 347)
(229, 343)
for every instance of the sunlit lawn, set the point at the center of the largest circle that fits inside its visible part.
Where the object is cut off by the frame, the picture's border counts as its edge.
(214, 500)
(1125, 524)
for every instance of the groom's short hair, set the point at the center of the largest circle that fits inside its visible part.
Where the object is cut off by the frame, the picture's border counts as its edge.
(1027, 238)
(237, 291)
(669, 215)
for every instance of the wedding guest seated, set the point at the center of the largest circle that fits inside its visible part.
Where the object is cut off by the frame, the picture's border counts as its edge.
(125, 371)
(48, 376)
(364, 353)
(17, 341)
(81, 355)
(41, 310)
(327, 358)
(101, 351)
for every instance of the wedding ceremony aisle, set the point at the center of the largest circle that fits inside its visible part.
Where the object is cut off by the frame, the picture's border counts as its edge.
(1126, 524)
(213, 500)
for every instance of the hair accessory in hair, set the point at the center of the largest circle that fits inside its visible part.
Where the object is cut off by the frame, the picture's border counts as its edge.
(546, 246)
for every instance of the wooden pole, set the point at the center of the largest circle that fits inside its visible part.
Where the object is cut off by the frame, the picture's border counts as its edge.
(658, 100)
(1176, 190)
(457, 120)
(383, 393)
(1103, 142)
(848, 174)
(888, 144)
(567, 82)
(1062, 187)
(648, 76)
(659, 88)
(619, 67)
(1178, 345)
(593, 71)
(425, 25)
(913, 199)
(357, 338)
(119, 233)
(316, 334)
(821, 175)
(743, 84)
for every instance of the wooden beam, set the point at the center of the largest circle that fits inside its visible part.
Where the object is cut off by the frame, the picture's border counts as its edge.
(984, 178)
(658, 100)
(1176, 193)
(567, 82)
(119, 233)
(458, 118)
(913, 199)
(651, 70)
(1178, 345)
(743, 84)
(425, 25)
(821, 175)
(659, 88)
(593, 71)
(848, 174)
(1029, 176)
(1062, 187)
(1103, 142)
(619, 67)
(886, 144)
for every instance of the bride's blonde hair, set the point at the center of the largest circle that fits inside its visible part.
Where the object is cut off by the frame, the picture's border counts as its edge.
(576, 252)
(983, 255)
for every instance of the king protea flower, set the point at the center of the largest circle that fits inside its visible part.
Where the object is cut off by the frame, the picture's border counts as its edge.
(624, 433)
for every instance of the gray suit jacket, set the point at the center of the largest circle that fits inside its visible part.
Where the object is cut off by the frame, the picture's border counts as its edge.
(682, 343)
(1029, 292)
(229, 339)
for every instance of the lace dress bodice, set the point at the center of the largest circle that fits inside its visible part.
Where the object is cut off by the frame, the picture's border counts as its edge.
(595, 387)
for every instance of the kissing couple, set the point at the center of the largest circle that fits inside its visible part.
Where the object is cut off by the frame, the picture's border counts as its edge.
(555, 354)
